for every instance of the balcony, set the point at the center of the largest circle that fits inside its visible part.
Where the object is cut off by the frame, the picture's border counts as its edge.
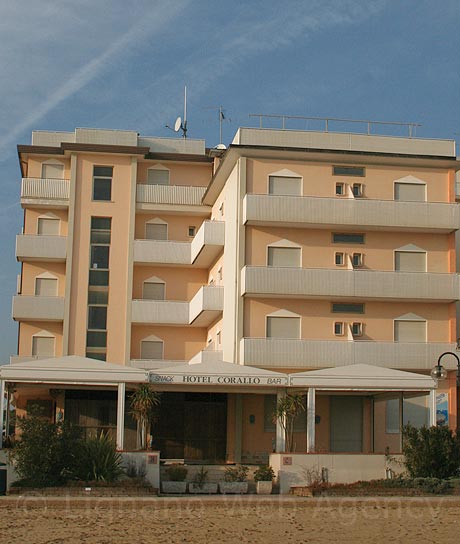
(350, 213)
(201, 311)
(202, 251)
(32, 308)
(154, 364)
(342, 283)
(168, 197)
(49, 193)
(300, 354)
(41, 248)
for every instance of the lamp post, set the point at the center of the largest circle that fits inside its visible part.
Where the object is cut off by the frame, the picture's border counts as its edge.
(440, 373)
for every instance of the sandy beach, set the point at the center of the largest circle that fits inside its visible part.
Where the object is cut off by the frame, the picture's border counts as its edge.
(229, 520)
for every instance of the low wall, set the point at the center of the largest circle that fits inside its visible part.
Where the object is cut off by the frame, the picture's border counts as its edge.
(150, 460)
(11, 475)
(295, 469)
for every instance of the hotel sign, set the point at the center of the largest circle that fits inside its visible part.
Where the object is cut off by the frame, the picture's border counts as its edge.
(204, 379)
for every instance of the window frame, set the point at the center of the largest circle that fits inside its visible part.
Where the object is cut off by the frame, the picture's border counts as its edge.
(300, 178)
(340, 254)
(360, 191)
(339, 328)
(298, 318)
(357, 328)
(276, 246)
(347, 170)
(340, 188)
(103, 178)
(360, 259)
(354, 304)
(348, 234)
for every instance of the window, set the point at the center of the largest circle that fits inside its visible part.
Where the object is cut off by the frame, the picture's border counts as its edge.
(96, 339)
(339, 189)
(52, 170)
(157, 176)
(100, 256)
(392, 419)
(346, 238)
(357, 171)
(414, 192)
(357, 260)
(156, 231)
(338, 328)
(357, 189)
(47, 226)
(102, 183)
(100, 230)
(99, 355)
(46, 287)
(283, 327)
(410, 261)
(191, 231)
(97, 318)
(357, 329)
(219, 273)
(97, 296)
(152, 349)
(153, 290)
(409, 331)
(415, 413)
(43, 346)
(339, 258)
(221, 210)
(99, 278)
(284, 256)
(281, 185)
(347, 308)
(219, 338)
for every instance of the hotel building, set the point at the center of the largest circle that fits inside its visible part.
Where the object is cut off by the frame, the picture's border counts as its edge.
(293, 260)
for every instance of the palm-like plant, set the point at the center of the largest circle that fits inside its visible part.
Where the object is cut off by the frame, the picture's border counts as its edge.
(143, 403)
(286, 410)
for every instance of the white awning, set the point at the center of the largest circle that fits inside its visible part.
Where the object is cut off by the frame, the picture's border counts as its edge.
(362, 378)
(71, 369)
(218, 373)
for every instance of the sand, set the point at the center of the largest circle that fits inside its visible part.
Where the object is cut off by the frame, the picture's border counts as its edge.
(229, 520)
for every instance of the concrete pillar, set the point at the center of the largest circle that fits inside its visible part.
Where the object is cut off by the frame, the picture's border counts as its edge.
(280, 433)
(238, 426)
(2, 403)
(121, 415)
(433, 407)
(401, 420)
(311, 416)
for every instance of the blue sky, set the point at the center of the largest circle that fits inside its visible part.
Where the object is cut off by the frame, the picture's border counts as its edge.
(118, 64)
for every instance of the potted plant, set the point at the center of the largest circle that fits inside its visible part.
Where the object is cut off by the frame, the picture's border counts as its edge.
(263, 477)
(144, 402)
(176, 483)
(200, 483)
(235, 480)
(286, 411)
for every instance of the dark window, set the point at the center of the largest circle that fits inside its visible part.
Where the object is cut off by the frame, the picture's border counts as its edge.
(348, 171)
(102, 189)
(96, 355)
(339, 189)
(344, 238)
(96, 339)
(98, 297)
(357, 190)
(103, 171)
(347, 308)
(101, 223)
(43, 408)
(99, 277)
(100, 257)
(338, 328)
(97, 317)
(191, 231)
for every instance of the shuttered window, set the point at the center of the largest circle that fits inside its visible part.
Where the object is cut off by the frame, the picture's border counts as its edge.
(414, 192)
(283, 327)
(278, 185)
(283, 256)
(47, 226)
(43, 346)
(46, 287)
(156, 231)
(53, 171)
(410, 261)
(410, 331)
(157, 177)
(151, 349)
(153, 291)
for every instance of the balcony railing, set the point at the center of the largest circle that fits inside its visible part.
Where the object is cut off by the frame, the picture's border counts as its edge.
(152, 364)
(363, 284)
(292, 353)
(45, 189)
(41, 247)
(170, 194)
(29, 308)
(319, 212)
(206, 305)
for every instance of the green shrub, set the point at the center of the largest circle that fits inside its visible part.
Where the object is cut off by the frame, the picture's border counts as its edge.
(98, 460)
(238, 473)
(201, 477)
(177, 473)
(431, 452)
(264, 473)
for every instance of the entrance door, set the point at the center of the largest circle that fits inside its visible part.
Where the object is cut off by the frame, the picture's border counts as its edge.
(346, 424)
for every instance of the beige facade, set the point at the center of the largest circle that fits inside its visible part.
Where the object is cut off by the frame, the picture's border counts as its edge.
(289, 251)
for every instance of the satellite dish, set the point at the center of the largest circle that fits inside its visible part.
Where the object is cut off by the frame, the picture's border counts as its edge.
(178, 124)
(221, 146)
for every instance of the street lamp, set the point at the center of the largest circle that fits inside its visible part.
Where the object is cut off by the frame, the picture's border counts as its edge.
(440, 373)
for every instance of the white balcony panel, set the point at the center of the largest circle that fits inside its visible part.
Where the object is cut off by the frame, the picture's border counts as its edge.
(41, 248)
(51, 192)
(161, 252)
(170, 194)
(165, 312)
(30, 308)
(318, 212)
(206, 305)
(207, 356)
(290, 353)
(363, 284)
(152, 364)
(208, 242)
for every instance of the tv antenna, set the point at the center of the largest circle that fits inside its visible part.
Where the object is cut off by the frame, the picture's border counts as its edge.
(179, 124)
(222, 118)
